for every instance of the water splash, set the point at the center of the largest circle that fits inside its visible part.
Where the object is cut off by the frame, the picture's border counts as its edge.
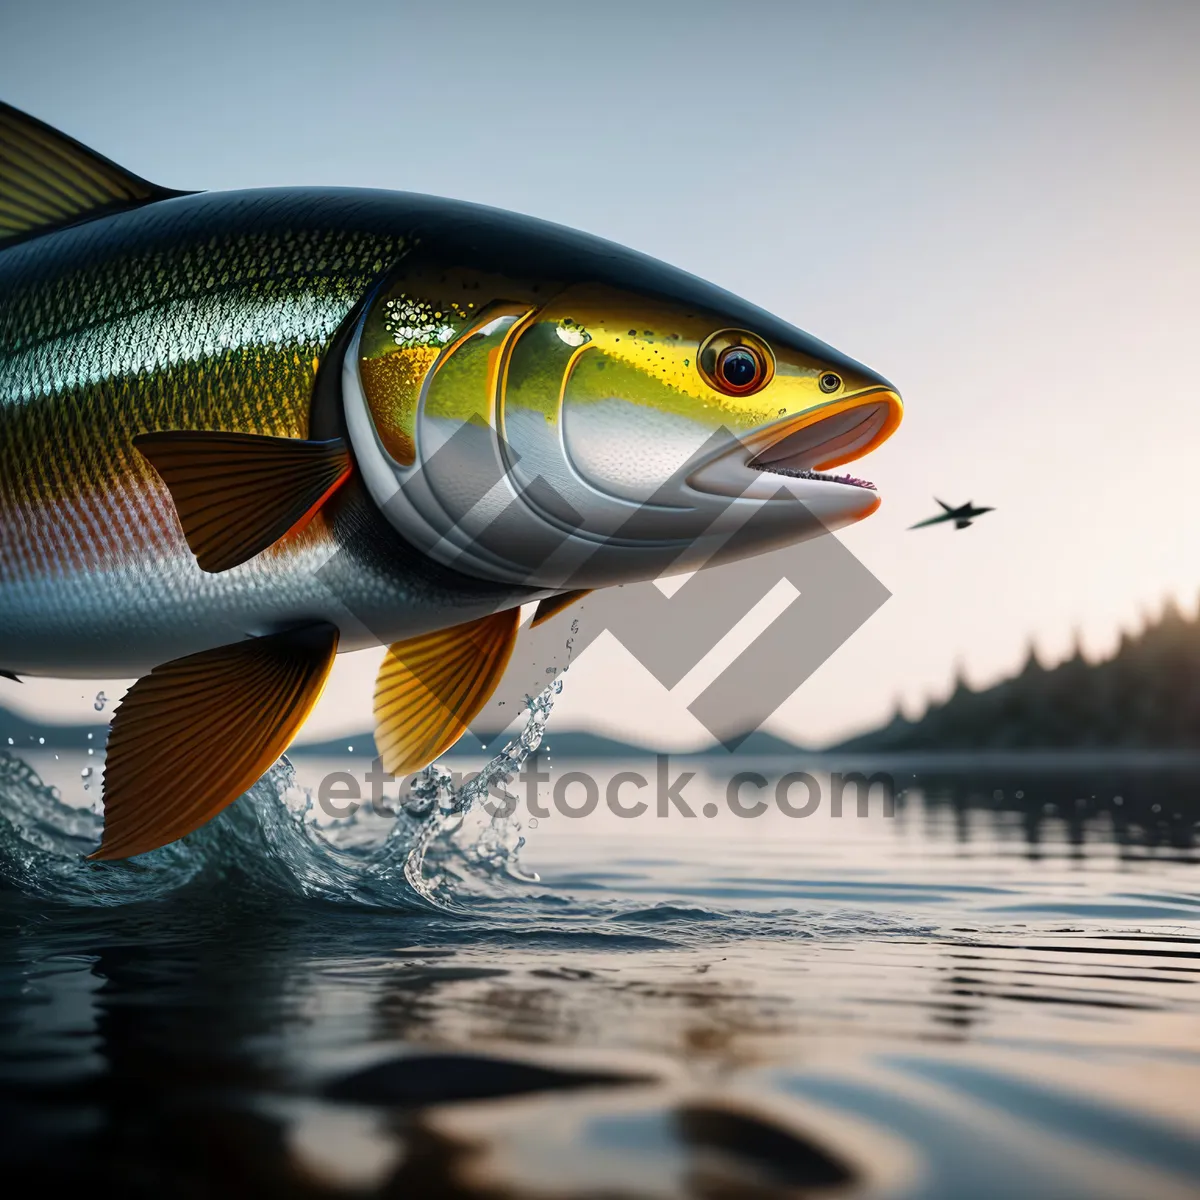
(443, 847)
(447, 808)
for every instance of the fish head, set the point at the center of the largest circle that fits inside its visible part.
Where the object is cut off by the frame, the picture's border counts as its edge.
(569, 414)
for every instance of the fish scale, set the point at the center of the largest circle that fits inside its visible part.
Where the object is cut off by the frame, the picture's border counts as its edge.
(168, 318)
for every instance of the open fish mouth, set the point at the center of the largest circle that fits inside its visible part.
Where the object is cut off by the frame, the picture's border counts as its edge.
(806, 450)
(806, 447)
(794, 473)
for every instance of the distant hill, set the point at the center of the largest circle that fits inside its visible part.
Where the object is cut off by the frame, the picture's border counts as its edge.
(566, 743)
(28, 733)
(1146, 696)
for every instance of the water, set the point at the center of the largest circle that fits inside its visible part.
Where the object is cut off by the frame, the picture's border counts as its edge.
(991, 992)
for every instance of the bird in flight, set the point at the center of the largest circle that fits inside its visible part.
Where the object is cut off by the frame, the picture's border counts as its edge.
(962, 516)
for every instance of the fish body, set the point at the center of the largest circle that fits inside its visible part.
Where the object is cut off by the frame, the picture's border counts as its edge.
(203, 312)
(240, 432)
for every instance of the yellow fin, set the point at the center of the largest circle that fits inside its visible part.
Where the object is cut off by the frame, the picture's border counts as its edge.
(238, 493)
(553, 605)
(194, 734)
(48, 180)
(431, 687)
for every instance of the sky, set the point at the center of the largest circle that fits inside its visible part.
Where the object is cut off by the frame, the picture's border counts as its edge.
(992, 204)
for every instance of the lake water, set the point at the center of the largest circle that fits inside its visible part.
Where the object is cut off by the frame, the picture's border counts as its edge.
(991, 992)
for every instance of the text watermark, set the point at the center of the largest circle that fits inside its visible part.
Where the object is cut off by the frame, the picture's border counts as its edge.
(662, 793)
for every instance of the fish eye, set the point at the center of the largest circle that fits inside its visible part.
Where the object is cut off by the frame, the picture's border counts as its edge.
(736, 363)
(740, 368)
(829, 382)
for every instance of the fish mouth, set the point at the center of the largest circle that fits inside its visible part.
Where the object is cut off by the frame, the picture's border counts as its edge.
(807, 446)
(805, 473)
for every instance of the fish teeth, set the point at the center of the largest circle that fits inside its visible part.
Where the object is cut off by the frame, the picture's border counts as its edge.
(797, 473)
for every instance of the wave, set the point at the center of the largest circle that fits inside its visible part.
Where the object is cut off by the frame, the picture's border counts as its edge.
(438, 852)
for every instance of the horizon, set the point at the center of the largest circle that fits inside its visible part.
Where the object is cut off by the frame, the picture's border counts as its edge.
(1149, 621)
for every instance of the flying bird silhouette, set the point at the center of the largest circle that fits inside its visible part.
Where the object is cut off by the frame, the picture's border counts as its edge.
(962, 516)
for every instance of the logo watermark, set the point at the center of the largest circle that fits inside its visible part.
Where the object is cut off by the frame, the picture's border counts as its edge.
(832, 593)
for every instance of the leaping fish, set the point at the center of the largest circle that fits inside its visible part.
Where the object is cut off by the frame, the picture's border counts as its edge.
(243, 431)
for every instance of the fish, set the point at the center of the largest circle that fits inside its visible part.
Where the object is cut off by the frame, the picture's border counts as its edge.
(244, 431)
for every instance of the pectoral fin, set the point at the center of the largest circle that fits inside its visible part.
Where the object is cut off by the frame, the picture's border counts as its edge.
(238, 493)
(431, 687)
(553, 605)
(194, 734)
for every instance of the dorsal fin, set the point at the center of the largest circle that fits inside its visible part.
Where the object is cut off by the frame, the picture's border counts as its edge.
(48, 180)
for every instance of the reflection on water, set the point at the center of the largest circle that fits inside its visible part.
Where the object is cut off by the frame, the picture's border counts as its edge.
(1139, 809)
(990, 994)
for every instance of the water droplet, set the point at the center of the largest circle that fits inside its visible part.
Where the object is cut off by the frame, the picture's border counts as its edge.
(350, 749)
(86, 773)
(101, 701)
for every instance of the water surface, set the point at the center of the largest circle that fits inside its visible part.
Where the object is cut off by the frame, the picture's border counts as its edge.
(991, 992)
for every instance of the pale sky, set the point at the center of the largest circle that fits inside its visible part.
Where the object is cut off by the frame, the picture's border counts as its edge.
(993, 204)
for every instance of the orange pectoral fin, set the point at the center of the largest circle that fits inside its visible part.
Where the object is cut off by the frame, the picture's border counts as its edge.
(431, 687)
(238, 493)
(193, 735)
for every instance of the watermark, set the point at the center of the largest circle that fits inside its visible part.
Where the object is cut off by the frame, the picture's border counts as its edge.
(660, 794)
(832, 593)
